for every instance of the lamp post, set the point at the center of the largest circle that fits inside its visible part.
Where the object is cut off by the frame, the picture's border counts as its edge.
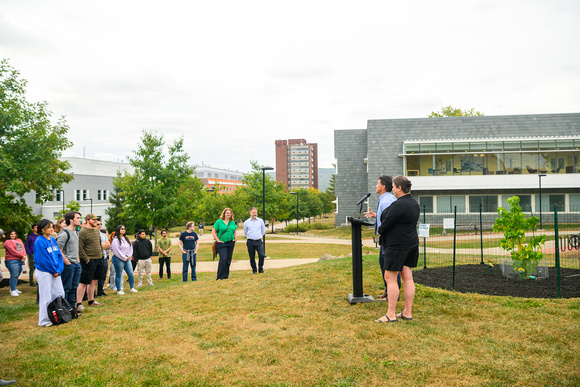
(63, 209)
(264, 169)
(540, 183)
(297, 203)
(91, 199)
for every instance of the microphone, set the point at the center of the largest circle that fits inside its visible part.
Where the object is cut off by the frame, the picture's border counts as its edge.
(363, 199)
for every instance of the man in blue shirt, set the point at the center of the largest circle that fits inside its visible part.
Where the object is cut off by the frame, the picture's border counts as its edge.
(254, 230)
(386, 198)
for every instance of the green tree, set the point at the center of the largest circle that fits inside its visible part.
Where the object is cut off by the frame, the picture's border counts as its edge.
(450, 111)
(250, 195)
(525, 252)
(30, 147)
(162, 182)
(73, 205)
(330, 189)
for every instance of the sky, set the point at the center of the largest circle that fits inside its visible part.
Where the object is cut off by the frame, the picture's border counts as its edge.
(231, 77)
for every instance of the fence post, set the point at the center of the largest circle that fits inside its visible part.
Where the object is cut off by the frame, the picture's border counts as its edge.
(481, 231)
(556, 241)
(454, 241)
(425, 240)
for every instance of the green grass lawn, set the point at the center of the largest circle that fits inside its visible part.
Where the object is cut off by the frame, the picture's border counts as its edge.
(293, 327)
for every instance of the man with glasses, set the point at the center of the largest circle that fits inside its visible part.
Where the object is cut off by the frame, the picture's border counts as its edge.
(92, 261)
(68, 243)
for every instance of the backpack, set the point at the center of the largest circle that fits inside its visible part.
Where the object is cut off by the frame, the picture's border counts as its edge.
(60, 311)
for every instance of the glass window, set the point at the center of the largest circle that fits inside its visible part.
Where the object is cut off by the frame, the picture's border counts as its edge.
(511, 145)
(105, 194)
(428, 147)
(58, 195)
(413, 166)
(411, 148)
(488, 203)
(426, 204)
(530, 145)
(574, 203)
(444, 147)
(99, 195)
(461, 147)
(85, 194)
(513, 163)
(530, 163)
(548, 202)
(564, 144)
(525, 202)
(547, 145)
(78, 195)
(446, 204)
(495, 145)
(477, 146)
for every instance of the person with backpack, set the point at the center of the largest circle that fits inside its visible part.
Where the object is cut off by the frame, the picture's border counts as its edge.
(68, 243)
(48, 261)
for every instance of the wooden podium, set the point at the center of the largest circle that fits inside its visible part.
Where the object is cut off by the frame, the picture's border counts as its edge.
(357, 276)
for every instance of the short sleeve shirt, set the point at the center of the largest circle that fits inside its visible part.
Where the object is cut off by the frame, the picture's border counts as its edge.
(188, 239)
(225, 233)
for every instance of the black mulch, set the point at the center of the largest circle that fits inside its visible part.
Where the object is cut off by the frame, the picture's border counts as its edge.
(477, 279)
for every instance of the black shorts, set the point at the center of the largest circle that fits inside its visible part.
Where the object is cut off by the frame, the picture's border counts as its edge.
(396, 259)
(92, 270)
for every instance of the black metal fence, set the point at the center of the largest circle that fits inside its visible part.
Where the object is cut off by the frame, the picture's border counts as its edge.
(468, 238)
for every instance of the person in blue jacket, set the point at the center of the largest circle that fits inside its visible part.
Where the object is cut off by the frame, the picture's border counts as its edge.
(49, 264)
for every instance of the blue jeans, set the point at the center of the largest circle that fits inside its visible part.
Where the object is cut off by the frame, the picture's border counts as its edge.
(14, 266)
(119, 267)
(186, 264)
(70, 276)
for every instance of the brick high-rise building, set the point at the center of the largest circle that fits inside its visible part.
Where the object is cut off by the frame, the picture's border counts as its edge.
(297, 163)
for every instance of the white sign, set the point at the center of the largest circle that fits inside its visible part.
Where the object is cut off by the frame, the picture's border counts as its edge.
(448, 223)
(424, 230)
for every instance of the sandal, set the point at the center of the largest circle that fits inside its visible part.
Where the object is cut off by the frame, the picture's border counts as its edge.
(400, 315)
(388, 320)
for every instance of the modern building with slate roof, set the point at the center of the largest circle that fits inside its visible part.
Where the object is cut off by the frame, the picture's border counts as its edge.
(463, 162)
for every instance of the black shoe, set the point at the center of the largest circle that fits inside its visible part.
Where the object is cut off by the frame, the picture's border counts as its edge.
(261, 271)
(255, 272)
(168, 277)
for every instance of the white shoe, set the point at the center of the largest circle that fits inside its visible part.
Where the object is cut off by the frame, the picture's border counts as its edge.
(19, 292)
(114, 289)
(14, 293)
(121, 293)
(48, 325)
(133, 290)
(81, 307)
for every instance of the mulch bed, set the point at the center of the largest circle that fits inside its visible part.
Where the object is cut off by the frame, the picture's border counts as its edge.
(477, 279)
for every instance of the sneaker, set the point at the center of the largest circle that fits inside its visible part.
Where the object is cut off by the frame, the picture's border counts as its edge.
(19, 292)
(95, 303)
(121, 293)
(80, 307)
(114, 289)
(48, 325)
(133, 290)
(14, 293)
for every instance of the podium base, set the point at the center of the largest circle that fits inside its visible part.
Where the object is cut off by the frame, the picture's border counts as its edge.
(365, 298)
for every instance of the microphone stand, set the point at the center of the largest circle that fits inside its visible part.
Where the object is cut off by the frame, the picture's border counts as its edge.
(360, 209)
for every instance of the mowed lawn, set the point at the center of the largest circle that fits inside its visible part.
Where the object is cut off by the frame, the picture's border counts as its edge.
(292, 327)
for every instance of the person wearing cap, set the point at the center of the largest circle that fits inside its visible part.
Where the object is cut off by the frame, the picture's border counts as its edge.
(92, 261)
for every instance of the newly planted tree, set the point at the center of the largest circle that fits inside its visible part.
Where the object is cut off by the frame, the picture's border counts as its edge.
(525, 252)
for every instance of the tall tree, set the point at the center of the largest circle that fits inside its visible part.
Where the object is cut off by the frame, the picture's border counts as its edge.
(450, 111)
(250, 195)
(156, 192)
(30, 147)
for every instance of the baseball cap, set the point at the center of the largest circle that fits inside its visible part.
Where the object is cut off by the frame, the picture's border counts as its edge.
(91, 216)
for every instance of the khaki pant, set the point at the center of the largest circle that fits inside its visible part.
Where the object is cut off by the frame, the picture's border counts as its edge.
(144, 265)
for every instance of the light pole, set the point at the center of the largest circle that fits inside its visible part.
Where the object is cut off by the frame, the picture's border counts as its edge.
(297, 203)
(540, 183)
(264, 169)
(63, 209)
(91, 199)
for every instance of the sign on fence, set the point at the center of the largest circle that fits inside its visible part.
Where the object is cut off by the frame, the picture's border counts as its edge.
(424, 230)
(448, 223)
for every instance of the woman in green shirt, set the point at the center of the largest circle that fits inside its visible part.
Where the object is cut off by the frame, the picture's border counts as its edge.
(224, 233)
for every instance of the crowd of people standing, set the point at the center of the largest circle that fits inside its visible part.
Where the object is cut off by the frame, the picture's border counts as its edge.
(70, 258)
